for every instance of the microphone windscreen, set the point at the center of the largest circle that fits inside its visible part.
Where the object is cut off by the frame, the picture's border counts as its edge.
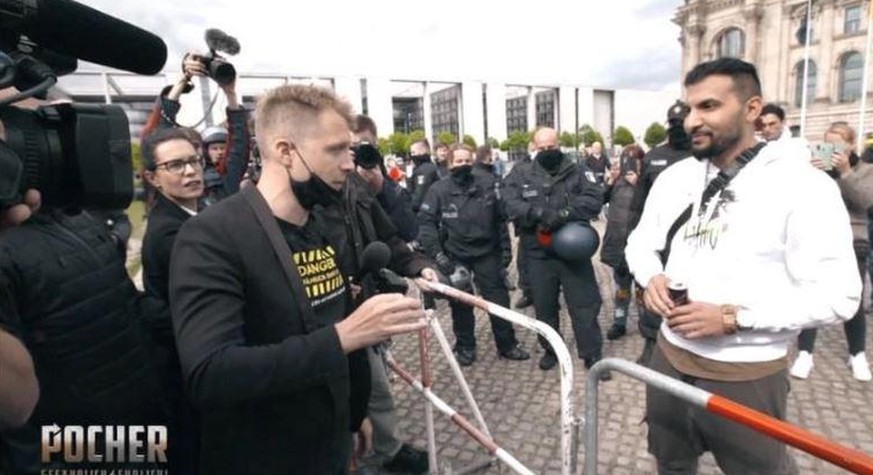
(374, 257)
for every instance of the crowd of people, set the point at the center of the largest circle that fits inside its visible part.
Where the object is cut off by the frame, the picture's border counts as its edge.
(260, 333)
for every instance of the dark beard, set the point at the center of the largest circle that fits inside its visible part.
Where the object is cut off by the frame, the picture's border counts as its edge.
(717, 146)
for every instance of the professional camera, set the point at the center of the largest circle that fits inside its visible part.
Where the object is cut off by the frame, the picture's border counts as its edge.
(366, 155)
(76, 155)
(218, 68)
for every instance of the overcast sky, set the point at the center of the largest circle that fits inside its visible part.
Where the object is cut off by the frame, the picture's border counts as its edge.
(606, 43)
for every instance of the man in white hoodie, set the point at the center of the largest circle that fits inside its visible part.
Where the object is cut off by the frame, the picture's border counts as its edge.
(759, 264)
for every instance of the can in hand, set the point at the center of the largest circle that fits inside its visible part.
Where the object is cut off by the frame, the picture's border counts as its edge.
(678, 293)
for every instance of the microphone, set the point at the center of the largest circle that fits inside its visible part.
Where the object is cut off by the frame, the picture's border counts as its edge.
(374, 257)
(73, 29)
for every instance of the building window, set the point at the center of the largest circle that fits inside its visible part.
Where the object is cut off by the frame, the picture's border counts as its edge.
(444, 111)
(408, 114)
(545, 104)
(516, 114)
(851, 71)
(798, 83)
(730, 44)
(852, 20)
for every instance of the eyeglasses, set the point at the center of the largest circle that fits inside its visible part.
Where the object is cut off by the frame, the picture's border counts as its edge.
(177, 167)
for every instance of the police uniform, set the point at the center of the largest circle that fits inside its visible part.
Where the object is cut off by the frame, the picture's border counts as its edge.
(463, 220)
(425, 174)
(533, 196)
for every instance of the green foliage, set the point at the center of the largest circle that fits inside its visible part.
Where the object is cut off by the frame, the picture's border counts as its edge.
(493, 143)
(447, 138)
(384, 146)
(415, 136)
(589, 135)
(655, 134)
(516, 141)
(622, 136)
(469, 140)
(568, 140)
(135, 157)
(398, 143)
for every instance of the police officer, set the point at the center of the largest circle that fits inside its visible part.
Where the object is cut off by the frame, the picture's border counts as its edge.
(425, 173)
(657, 160)
(461, 224)
(541, 198)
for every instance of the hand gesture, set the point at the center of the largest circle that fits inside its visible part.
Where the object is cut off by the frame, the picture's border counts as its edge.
(17, 214)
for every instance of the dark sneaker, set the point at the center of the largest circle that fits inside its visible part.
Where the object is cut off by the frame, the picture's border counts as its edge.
(515, 354)
(548, 361)
(604, 375)
(523, 302)
(408, 459)
(465, 356)
(616, 331)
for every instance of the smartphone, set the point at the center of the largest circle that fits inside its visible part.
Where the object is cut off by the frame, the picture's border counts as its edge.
(823, 152)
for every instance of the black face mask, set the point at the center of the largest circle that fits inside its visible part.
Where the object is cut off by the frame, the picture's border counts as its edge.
(419, 159)
(550, 159)
(313, 191)
(677, 138)
(462, 174)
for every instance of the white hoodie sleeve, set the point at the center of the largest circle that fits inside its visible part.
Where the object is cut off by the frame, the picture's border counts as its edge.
(650, 235)
(820, 262)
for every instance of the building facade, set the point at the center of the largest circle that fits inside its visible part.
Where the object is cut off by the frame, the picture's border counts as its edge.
(770, 34)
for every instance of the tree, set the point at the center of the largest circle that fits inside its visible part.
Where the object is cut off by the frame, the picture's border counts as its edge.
(398, 143)
(493, 143)
(416, 135)
(655, 134)
(569, 140)
(384, 146)
(135, 157)
(589, 135)
(447, 138)
(469, 140)
(622, 136)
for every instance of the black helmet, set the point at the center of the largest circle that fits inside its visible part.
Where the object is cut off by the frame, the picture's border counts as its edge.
(575, 241)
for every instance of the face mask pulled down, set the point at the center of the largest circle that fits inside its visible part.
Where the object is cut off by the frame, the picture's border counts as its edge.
(313, 191)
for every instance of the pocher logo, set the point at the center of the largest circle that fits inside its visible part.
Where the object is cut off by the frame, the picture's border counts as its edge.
(108, 444)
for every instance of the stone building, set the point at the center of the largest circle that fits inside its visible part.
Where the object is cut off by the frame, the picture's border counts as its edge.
(766, 33)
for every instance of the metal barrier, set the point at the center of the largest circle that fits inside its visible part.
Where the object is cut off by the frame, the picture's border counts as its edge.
(569, 422)
(850, 459)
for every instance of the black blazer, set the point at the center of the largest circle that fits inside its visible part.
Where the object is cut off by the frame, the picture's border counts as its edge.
(272, 387)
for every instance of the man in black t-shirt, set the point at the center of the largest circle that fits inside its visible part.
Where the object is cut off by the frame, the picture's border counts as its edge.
(260, 308)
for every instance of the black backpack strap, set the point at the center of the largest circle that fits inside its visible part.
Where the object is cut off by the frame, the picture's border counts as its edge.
(720, 182)
(283, 253)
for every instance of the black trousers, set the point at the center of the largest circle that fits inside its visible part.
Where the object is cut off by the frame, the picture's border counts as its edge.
(492, 287)
(581, 295)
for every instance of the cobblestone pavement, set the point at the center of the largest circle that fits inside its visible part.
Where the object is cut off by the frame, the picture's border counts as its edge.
(520, 402)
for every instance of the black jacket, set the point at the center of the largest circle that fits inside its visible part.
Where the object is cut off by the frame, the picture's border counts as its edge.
(398, 204)
(573, 188)
(424, 175)
(463, 222)
(65, 293)
(272, 383)
(165, 219)
(598, 166)
(655, 161)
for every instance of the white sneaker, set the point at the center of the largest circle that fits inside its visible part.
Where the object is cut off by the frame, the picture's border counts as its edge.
(802, 365)
(860, 368)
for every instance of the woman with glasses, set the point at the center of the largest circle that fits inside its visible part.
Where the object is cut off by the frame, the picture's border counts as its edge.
(174, 168)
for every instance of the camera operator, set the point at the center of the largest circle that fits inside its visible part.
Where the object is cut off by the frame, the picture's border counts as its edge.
(261, 310)
(67, 296)
(227, 149)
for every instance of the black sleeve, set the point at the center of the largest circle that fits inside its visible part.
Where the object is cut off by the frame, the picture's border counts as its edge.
(586, 199)
(403, 260)
(207, 298)
(641, 193)
(517, 209)
(398, 204)
(420, 190)
(429, 224)
(237, 149)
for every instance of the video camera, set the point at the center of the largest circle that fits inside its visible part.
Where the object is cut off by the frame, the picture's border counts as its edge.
(367, 155)
(220, 69)
(76, 155)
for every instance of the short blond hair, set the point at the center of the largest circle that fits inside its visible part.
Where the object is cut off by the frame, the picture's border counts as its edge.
(296, 108)
(844, 130)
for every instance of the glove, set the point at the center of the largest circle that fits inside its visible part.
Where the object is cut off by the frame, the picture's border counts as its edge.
(552, 220)
(446, 266)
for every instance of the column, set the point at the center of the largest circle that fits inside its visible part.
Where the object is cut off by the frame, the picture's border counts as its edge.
(349, 87)
(427, 111)
(496, 110)
(379, 104)
(531, 108)
(566, 109)
(472, 111)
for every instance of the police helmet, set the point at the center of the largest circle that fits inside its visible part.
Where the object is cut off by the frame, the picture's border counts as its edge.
(213, 135)
(575, 241)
